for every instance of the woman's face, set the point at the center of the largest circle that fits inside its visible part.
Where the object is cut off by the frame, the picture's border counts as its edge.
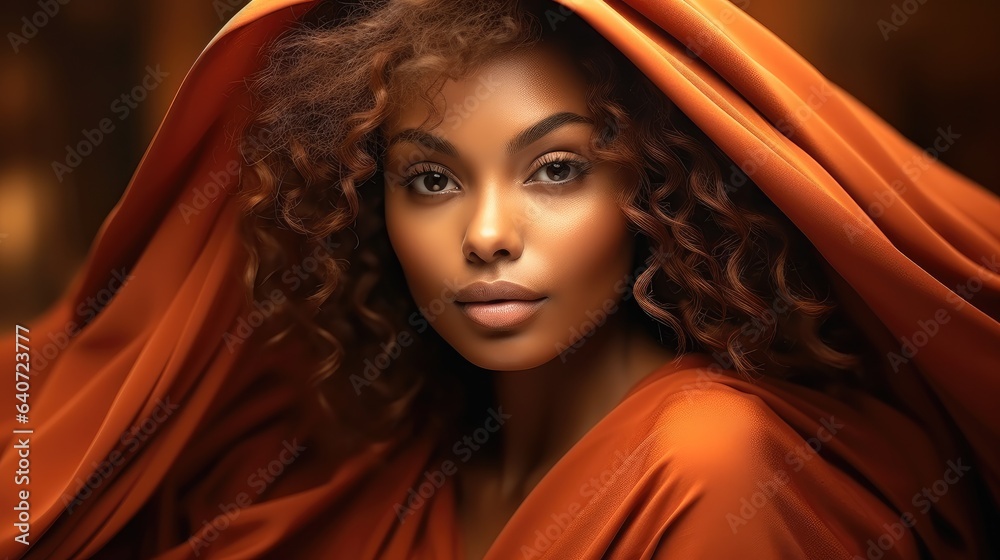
(506, 189)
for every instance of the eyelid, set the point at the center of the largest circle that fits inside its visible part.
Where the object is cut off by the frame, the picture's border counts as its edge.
(422, 168)
(583, 164)
(550, 157)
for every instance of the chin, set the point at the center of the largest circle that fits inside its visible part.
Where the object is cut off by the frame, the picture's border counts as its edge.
(516, 352)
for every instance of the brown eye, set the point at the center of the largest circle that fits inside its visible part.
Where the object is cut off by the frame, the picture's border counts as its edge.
(559, 171)
(430, 181)
(435, 182)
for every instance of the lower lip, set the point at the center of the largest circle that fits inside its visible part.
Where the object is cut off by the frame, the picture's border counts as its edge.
(501, 314)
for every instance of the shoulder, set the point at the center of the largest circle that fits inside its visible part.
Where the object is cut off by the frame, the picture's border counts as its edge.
(721, 457)
(711, 428)
(745, 478)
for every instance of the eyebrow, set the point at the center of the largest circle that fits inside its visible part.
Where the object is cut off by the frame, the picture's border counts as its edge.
(524, 138)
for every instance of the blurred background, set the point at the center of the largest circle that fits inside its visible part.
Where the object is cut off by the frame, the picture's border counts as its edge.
(84, 84)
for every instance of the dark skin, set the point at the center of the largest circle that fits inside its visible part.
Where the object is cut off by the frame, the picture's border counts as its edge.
(488, 494)
(525, 202)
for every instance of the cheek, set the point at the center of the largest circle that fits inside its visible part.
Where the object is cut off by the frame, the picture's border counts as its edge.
(595, 250)
(421, 249)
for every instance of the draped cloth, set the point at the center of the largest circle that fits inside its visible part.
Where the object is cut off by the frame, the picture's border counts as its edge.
(153, 428)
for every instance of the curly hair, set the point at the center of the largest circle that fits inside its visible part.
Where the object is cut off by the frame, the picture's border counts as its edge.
(725, 271)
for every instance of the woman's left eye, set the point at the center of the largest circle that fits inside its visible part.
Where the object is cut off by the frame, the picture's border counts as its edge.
(558, 171)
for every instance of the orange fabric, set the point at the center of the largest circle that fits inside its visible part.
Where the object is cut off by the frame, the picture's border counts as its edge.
(145, 421)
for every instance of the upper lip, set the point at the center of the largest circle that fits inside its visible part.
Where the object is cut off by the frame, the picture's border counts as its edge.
(495, 291)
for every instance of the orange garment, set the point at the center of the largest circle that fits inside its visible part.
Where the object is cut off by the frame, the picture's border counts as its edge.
(694, 463)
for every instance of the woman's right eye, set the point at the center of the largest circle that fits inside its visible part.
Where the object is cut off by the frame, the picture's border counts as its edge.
(428, 182)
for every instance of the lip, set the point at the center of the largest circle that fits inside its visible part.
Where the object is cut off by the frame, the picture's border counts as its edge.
(501, 315)
(501, 290)
(498, 305)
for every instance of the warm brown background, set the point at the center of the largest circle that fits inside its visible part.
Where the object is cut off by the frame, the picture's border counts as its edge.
(939, 69)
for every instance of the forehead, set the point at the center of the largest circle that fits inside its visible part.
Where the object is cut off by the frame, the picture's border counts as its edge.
(520, 86)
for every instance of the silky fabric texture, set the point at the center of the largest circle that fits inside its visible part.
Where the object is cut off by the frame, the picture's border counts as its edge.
(694, 463)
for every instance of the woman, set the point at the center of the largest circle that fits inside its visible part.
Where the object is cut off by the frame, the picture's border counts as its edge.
(699, 360)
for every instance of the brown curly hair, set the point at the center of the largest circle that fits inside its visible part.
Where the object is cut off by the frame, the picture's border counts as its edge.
(725, 270)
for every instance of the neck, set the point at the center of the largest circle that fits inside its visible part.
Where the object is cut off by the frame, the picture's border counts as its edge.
(550, 407)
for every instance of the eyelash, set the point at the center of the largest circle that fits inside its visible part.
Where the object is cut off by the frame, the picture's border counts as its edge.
(582, 166)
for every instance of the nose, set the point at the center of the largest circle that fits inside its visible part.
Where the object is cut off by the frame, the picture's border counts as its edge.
(494, 228)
